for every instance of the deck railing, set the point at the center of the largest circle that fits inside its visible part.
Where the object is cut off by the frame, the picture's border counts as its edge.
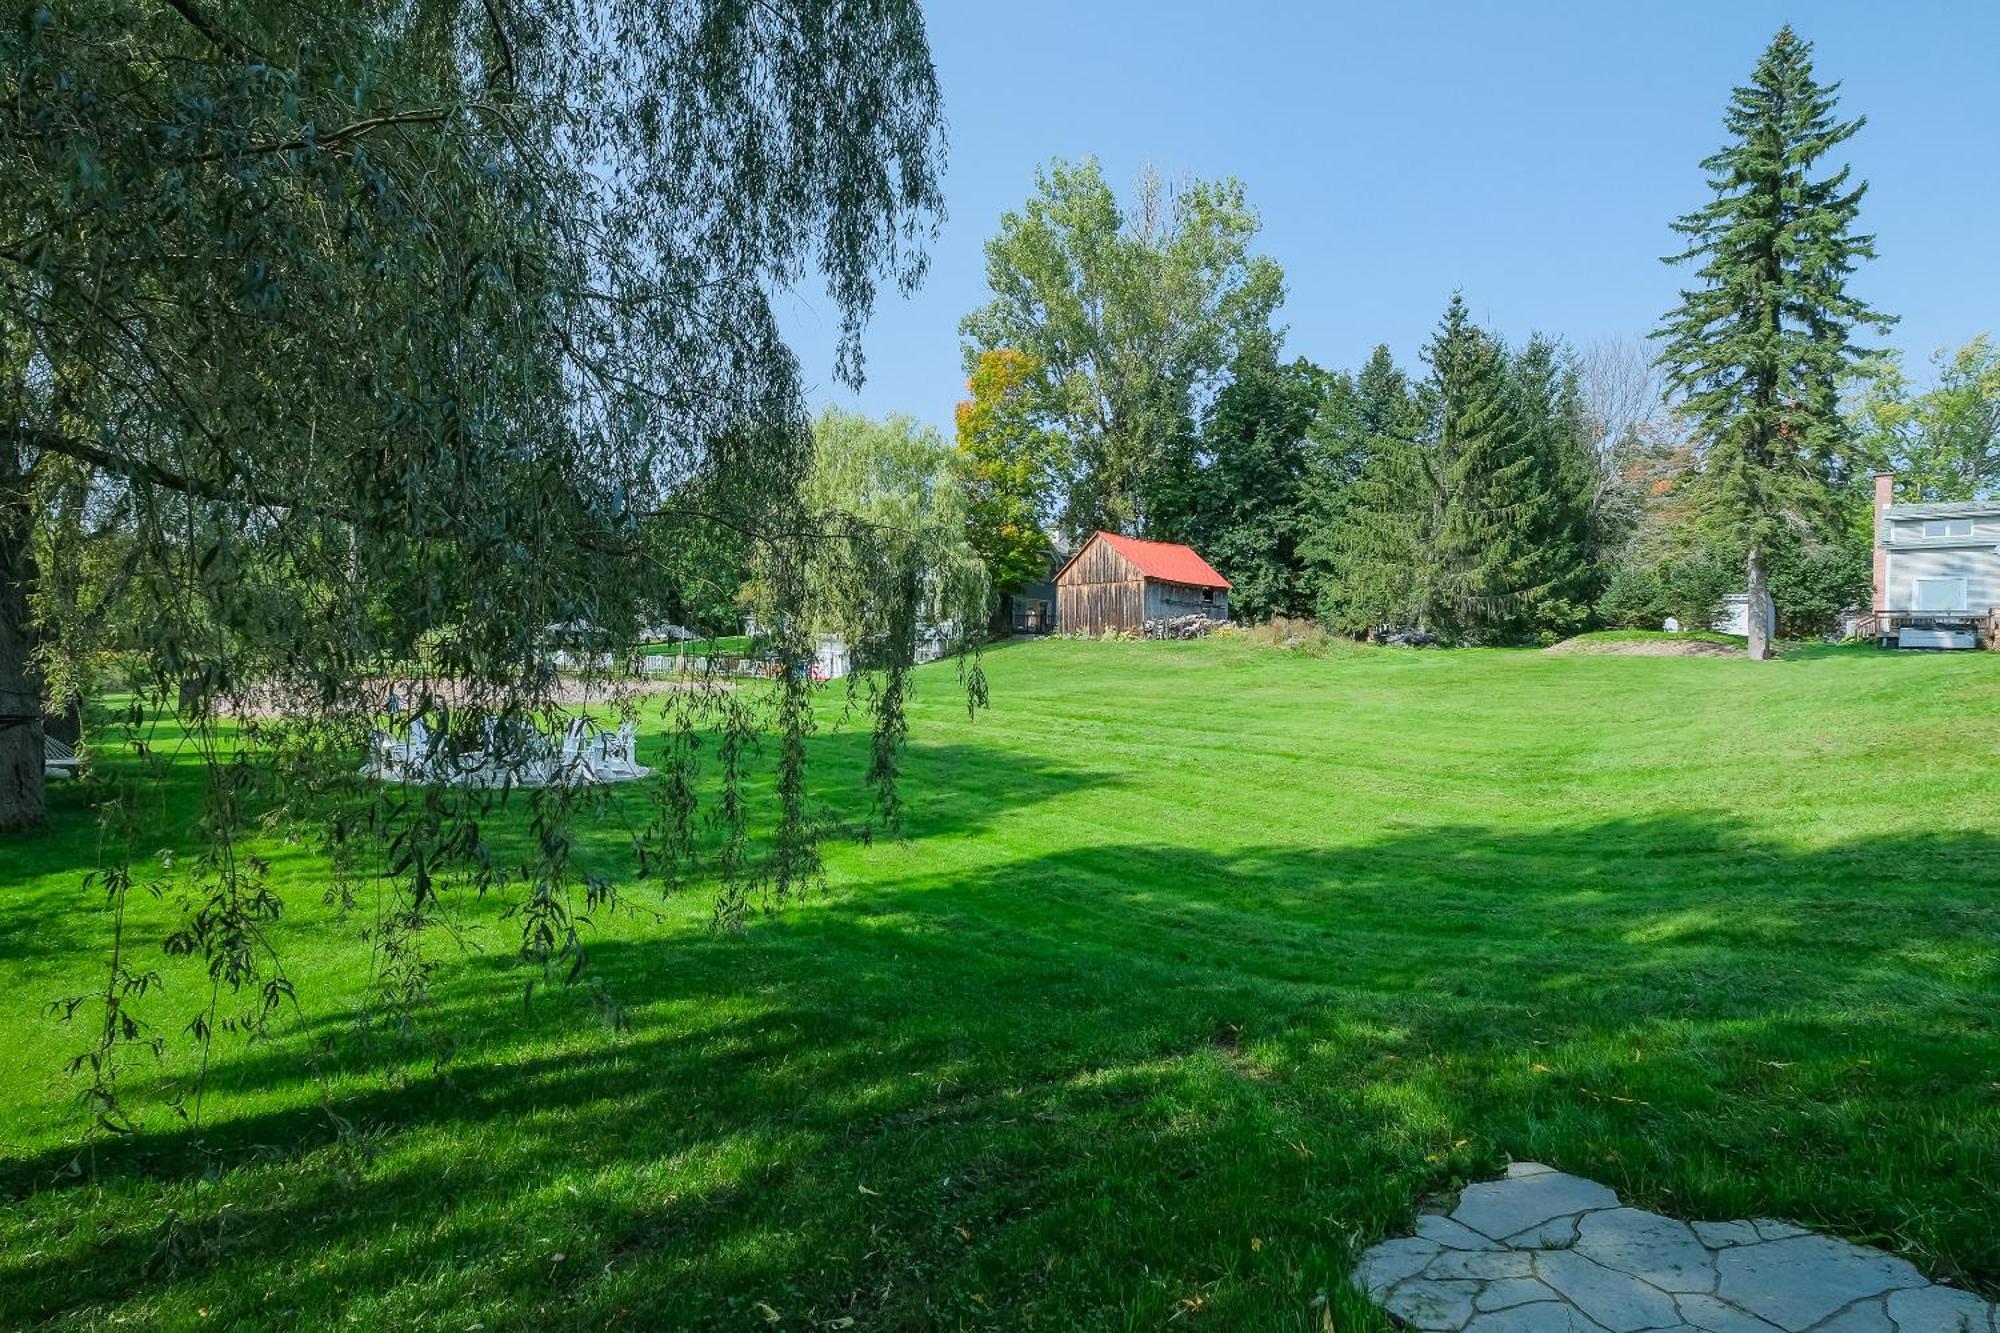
(1884, 625)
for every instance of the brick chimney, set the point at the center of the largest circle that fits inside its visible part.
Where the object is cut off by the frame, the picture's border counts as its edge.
(1885, 495)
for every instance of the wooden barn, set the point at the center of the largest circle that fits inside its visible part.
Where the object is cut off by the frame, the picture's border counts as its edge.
(1120, 583)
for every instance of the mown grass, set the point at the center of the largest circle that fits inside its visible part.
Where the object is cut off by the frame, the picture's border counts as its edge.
(1198, 967)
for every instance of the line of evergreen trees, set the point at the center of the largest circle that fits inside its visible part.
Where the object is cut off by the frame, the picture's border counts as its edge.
(1464, 503)
(1127, 374)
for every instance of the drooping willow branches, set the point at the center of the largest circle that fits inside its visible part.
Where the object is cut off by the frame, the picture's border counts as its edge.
(357, 344)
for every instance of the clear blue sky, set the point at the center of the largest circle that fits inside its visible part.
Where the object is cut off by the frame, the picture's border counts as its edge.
(1532, 153)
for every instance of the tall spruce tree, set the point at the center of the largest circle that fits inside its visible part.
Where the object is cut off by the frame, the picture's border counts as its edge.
(1498, 505)
(1758, 349)
(1469, 513)
(1376, 503)
(1571, 536)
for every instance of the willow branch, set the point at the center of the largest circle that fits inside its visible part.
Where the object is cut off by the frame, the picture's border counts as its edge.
(147, 472)
(500, 40)
(332, 139)
(218, 36)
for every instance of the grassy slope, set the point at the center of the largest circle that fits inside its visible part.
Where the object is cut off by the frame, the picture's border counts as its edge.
(1202, 964)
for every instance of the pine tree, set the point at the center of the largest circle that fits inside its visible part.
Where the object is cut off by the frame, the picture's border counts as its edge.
(1759, 348)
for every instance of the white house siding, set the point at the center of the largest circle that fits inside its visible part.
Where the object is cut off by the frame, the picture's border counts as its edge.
(1979, 566)
(1167, 600)
(1911, 530)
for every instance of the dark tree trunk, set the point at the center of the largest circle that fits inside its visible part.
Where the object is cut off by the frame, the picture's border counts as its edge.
(21, 754)
(1759, 612)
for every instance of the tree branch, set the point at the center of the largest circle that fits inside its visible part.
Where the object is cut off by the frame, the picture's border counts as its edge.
(333, 139)
(147, 472)
(500, 40)
(218, 36)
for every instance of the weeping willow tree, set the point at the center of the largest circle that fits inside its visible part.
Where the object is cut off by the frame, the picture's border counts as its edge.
(919, 591)
(354, 344)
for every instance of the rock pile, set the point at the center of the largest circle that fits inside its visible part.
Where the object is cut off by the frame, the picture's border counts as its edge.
(1181, 627)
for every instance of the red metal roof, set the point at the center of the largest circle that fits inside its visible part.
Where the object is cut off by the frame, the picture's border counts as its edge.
(1170, 562)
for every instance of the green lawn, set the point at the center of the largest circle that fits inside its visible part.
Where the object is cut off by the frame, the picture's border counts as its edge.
(1200, 966)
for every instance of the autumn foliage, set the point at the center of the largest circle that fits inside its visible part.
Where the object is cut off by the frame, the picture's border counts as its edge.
(1010, 464)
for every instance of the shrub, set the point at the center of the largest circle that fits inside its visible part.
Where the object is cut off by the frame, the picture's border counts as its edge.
(1634, 598)
(1296, 635)
(1688, 585)
(1814, 585)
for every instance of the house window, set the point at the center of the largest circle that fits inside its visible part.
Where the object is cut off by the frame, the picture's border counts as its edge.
(1939, 595)
(1947, 527)
(1208, 594)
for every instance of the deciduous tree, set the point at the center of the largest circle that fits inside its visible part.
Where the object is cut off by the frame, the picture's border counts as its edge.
(1013, 464)
(386, 335)
(1943, 440)
(1133, 314)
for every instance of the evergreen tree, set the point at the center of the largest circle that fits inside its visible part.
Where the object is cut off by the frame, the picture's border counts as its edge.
(1374, 503)
(1251, 512)
(1571, 537)
(1758, 350)
(1469, 513)
(1497, 505)
(1356, 411)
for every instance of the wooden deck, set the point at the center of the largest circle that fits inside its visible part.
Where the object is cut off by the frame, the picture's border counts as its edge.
(1883, 626)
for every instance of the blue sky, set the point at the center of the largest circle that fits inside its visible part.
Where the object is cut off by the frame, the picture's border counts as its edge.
(1531, 153)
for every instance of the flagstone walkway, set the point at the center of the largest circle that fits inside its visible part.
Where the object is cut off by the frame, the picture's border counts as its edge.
(1544, 1252)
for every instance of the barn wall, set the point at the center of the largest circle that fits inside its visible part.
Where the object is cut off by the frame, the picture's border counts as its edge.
(1166, 600)
(1098, 563)
(1093, 608)
(1100, 591)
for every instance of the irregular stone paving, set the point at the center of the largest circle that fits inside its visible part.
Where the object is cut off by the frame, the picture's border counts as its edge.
(1544, 1252)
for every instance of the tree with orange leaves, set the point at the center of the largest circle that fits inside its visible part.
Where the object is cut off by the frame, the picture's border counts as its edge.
(1010, 465)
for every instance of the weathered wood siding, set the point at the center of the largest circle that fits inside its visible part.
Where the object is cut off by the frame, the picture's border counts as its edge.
(1167, 600)
(1100, 591)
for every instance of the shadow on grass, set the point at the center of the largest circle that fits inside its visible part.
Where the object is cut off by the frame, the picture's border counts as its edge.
(1082, 1082)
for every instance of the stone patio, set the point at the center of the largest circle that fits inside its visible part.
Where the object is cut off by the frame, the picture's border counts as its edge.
(1544, 1252)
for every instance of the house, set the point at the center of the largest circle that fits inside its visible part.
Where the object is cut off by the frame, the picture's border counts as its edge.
(1030, 608)
(1937, 571)
(1120, 583)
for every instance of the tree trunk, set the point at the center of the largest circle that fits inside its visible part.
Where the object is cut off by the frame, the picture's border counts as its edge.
(1759, 612)
(21, 754)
